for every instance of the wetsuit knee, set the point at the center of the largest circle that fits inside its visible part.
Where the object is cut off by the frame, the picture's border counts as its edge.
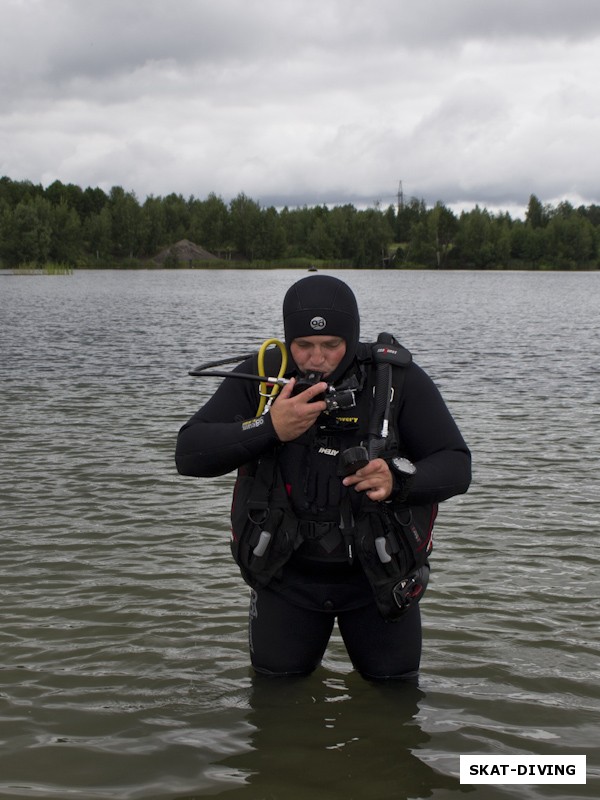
(270, 673)
(411, 677)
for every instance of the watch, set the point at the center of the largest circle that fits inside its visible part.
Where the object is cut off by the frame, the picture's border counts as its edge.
(402, 467)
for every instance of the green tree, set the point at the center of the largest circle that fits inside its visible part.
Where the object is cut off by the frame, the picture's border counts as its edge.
(125, 217)
(272, 241)
(501, 239)
(245, 222)
(343, 231)
(373, 237)
(15, 192)
(431, 238)
(209, 223)
(152, 226)
(420, 247)
(97, 233)
(298, 225)
(443, 228)
(65, 236)
(571, 239)
(474, 243)
(537, 215)
(592, 213)
(68, 195)
(391, 219)
(410, 214)
(319, 243)
(527, 244)
(92, 202)
(176, 218)
(26, 232)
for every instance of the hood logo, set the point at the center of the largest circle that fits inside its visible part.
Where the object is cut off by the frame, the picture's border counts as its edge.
(318, 323)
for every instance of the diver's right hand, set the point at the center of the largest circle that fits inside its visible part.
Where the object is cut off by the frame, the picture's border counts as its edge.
(292, 416)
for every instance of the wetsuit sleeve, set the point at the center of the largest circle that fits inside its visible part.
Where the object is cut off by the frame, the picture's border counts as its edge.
(224, 434)
(431, 439)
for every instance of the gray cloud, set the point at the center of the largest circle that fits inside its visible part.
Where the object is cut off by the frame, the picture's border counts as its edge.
(297, 101)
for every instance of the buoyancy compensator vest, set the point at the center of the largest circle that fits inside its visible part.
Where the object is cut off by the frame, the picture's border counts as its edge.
(291, 502)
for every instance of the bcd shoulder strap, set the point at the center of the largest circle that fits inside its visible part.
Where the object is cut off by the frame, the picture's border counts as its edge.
(390, 360)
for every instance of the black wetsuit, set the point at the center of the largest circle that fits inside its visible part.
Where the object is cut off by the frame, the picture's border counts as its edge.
(291, 622)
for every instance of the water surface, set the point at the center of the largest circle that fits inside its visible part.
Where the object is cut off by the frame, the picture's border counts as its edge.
(124, 668)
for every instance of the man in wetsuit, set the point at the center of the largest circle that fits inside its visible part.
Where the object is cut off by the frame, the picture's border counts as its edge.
(292, 613)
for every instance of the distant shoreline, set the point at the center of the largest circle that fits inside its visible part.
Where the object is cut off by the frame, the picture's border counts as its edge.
(38, 271)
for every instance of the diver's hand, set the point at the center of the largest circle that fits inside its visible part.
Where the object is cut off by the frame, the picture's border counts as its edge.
(292, 416)
(375, 478)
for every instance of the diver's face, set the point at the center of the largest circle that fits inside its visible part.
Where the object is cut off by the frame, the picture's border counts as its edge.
(318, 353)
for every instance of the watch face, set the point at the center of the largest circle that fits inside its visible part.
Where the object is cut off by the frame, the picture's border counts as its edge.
(404, 466)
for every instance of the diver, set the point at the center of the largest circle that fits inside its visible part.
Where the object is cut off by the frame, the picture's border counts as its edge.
(339, 476)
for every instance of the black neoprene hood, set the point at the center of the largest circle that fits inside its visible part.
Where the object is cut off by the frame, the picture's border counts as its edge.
(321, 305)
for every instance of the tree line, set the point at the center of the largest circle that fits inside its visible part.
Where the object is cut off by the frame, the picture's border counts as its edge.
(66, 224)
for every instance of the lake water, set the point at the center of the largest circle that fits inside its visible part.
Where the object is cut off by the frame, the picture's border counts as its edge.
(124, 668)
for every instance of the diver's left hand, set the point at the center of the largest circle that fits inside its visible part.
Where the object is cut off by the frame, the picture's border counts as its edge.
(375, 479)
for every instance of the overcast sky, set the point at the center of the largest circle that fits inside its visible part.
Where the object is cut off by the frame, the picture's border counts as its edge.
(306, 101)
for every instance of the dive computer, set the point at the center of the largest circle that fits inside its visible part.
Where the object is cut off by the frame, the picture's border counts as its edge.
(403, 472)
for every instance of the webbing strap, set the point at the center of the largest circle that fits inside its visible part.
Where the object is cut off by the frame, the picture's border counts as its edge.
(264, 480)
(378, 429)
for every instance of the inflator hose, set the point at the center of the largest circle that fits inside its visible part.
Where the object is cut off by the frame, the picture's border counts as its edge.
(269, 392)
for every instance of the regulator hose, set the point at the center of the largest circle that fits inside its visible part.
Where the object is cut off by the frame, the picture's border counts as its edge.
(269, 386)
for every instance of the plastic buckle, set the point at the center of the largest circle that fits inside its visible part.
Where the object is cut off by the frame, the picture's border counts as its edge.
(406, 591)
